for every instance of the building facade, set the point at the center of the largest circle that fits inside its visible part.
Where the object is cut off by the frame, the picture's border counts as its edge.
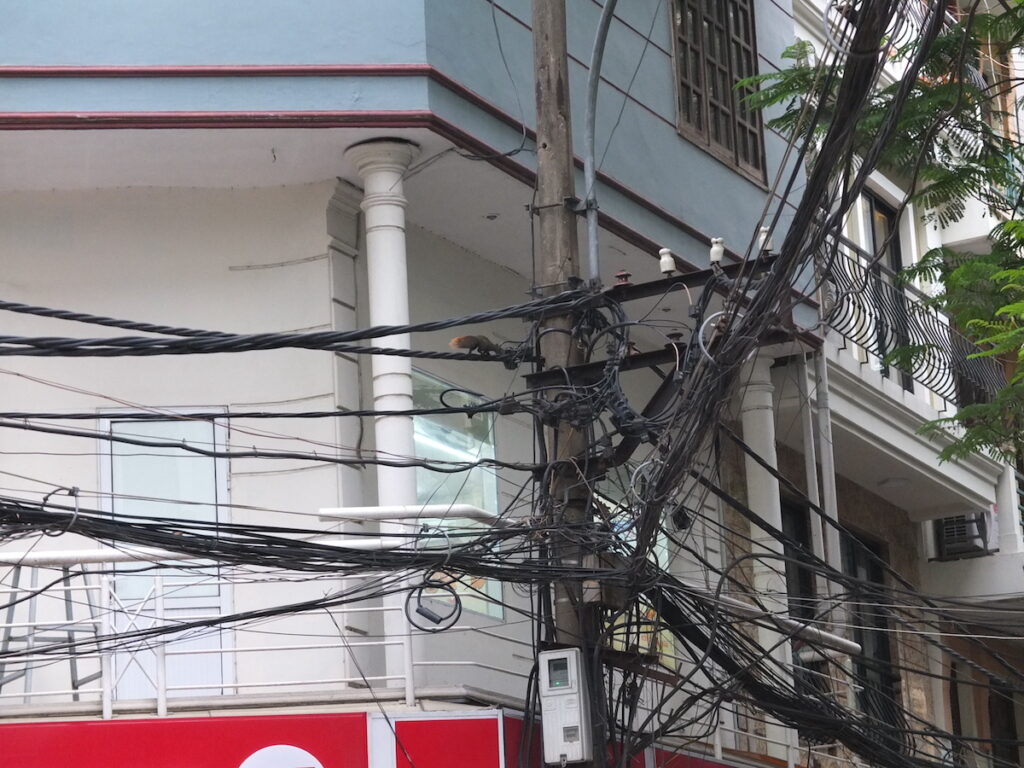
(315, 166)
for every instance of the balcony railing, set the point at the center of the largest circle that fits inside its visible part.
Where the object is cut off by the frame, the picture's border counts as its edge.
(109, 636)
(866, 303)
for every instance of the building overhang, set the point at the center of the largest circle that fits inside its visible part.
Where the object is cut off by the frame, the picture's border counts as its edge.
(877, 444)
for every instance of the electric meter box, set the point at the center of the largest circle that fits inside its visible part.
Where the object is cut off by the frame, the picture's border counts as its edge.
(565, 707)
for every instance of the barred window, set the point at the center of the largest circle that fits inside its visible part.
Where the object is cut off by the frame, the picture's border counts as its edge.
(715, 50)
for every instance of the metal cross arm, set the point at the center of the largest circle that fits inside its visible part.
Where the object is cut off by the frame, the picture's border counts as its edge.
(591, 373)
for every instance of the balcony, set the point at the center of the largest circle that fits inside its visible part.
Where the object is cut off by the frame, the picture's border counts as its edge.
(133, 637)
(867, 305)
(84, 637)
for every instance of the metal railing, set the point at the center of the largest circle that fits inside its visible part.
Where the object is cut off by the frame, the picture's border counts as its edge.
(95, 636)
(289, 655)
(867, 304)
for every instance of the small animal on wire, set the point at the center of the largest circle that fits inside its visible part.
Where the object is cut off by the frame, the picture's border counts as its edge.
(479, 344)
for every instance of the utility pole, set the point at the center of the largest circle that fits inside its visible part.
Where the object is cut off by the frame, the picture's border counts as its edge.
(559, 264)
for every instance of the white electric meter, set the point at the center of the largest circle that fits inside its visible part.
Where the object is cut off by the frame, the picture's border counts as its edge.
(565, 707)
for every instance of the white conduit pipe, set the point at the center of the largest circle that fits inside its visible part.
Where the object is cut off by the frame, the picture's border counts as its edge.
(791, 626)
(829, 496)
(416, 512)
(821, 586)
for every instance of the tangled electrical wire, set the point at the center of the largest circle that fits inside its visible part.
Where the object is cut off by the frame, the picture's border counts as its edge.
(706, 651)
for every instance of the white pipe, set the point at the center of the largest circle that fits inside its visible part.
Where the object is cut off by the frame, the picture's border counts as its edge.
(160, 650)
(416, 512)
(814, 521)
(106, 658)
(791, 626)
(382, 166)
(829, 497)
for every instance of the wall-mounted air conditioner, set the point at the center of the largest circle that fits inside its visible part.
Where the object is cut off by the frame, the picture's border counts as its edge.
(965, 535)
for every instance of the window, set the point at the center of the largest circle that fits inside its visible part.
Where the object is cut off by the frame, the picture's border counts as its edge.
(892, 324)
(810, 671)
(715, 50)
(639, 629)
(1002, 718)
(457, 437)
(799, 579)
(875, 680)
(163, 482)
(997, 73)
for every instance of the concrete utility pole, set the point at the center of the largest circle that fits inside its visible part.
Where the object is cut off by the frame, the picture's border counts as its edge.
(559, 262)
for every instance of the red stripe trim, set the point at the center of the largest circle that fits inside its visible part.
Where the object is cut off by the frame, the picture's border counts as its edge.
(221, 70)
(53, 121)
(256, 70)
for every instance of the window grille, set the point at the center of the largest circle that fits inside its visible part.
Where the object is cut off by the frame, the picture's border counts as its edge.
(715, 50)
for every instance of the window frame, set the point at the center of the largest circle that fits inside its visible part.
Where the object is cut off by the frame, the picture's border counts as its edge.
(106, 419)
(876, 673)
(888, 264)
(739, 119)
(493, 590)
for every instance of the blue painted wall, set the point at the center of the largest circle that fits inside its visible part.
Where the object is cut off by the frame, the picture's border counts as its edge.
(176, 32)
(637, 136)
(212, 94)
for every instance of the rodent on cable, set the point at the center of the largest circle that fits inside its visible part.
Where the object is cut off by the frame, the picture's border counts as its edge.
(480, 344)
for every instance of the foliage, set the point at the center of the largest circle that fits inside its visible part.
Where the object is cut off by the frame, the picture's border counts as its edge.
(949, 147)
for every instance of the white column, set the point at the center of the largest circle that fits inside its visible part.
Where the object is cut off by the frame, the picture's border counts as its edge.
(1010, 538)
(381, 166)
(829, 492)
(811, 472)
(106, 655)
(757, 417)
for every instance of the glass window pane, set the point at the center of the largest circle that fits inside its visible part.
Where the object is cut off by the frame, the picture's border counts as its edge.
(166, 482)
(457, 438)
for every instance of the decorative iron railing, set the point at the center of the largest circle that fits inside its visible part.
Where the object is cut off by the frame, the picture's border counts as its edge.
(866, 303)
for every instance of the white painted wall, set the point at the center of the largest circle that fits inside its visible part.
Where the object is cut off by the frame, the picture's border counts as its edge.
(246, 260)
(233, 260)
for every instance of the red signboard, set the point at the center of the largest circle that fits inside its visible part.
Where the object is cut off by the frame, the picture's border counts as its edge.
(284, 741)
(516, 742)
(470, 742)
(268, 741)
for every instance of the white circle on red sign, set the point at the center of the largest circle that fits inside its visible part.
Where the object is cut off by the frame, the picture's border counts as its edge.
(281, 756)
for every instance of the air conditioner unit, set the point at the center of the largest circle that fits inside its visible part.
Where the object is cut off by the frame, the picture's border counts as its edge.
(963, 535)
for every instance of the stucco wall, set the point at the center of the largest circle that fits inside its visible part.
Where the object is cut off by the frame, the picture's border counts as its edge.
(232, 260)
